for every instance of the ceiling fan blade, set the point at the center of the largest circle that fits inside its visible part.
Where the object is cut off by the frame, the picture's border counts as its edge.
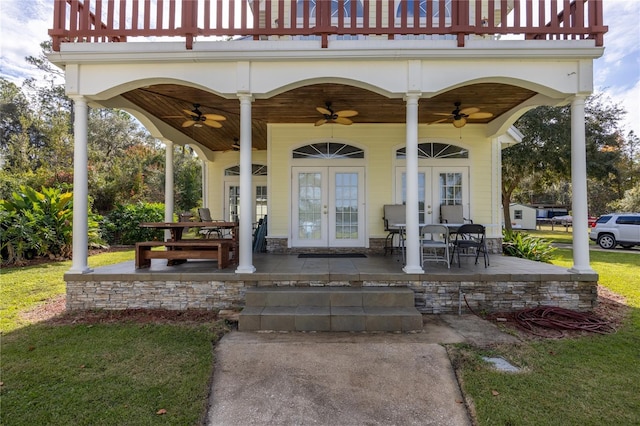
(478, 115)
(188, 112)
(468, 111)
(215, 117)
(324, 111)
(342, 120)
(347, 113)
(448, 114)
(212, 123)
(459, 123)
(320, 122)
(188, 123)
(442, 120)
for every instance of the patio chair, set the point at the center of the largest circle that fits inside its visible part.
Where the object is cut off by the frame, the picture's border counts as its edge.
(470, 239)
(205, 216)
(434, 244)
(453, 214)
(392, 214)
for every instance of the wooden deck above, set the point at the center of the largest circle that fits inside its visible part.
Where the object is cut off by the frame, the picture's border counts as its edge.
(100, 21)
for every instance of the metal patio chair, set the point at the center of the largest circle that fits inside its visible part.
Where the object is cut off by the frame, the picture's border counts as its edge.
(470, 239)
(434, 244)
(392, 214)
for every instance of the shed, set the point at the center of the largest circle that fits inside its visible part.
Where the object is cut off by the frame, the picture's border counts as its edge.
(522, 217)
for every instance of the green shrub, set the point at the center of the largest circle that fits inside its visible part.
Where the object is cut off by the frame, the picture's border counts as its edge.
(122, 225)
(521, 244)
(36, 223)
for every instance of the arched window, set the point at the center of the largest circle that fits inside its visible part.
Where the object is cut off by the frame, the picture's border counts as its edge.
(436, 150)
(422, 8)
(328, 150)
(256, 169)
(334, 8)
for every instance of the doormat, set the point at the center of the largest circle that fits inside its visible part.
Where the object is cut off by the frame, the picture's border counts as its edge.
(329, 255)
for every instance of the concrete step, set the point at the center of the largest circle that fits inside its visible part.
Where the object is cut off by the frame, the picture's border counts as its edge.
(330, 296)
(330, 309)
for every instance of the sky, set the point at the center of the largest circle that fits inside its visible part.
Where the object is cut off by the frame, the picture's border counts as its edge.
(24, 25)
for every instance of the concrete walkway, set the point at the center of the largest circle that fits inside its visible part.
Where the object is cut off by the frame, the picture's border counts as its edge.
(344, 378)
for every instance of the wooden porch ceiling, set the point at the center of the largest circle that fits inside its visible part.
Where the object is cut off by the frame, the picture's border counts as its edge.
(167, 102)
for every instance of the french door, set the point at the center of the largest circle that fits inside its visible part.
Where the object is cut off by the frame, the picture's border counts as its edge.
(436, 186)
(328, 208)
(232, 200)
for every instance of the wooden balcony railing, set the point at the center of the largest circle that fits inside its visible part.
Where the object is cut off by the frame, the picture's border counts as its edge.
(99, 21)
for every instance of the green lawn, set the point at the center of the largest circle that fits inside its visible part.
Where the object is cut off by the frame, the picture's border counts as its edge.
(125, 373)
(24, 288)
(586, 381)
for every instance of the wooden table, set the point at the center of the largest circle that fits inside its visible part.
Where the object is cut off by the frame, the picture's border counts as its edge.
(179, 250)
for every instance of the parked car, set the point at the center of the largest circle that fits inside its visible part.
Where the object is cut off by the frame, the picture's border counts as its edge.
(616, 228)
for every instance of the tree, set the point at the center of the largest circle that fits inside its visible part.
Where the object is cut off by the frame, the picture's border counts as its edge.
(188, 178)
(544, 155)
(630, 202)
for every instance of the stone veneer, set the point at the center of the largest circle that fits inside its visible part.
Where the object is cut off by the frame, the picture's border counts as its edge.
(431, 297)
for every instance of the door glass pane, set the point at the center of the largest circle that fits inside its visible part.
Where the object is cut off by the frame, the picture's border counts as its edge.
(421, 194)
(450, 188)
(346, 206)
(234, 203)
(261, 202)
(309, 206)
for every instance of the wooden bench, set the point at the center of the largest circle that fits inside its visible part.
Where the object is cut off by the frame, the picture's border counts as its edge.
(182, 250)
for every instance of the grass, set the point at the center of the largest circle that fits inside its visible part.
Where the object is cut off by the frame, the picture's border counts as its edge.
(121, 373)
(106, 374)
(555, 236)
(24, 288)
(584, 381)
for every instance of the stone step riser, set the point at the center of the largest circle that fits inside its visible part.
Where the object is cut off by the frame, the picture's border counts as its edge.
(313, 318)
(304, 297)
(330, 309)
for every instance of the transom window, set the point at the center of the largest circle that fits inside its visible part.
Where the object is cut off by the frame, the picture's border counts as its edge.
(422, 8)
(436, 150)
(256, 170)
(328, 151)
(334, 8)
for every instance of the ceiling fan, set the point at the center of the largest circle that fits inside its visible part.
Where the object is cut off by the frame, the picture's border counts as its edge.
(236, 146)
(459, 116)
(196, 118)
(329, 115)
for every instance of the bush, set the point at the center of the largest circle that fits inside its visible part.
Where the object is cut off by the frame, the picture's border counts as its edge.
(523, 245)
(122, 225)
(40, 224)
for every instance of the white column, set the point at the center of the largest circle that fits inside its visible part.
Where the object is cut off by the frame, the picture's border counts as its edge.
(80, 187)
(579, 188)
(412, 242)
(205, 183)
(245, 260)
(169, 199)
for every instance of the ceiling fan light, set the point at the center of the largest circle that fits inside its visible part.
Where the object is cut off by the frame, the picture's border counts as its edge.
(197, 125)
(459, 123)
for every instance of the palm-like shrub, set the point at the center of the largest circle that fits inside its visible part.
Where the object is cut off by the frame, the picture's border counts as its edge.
(521, 244)
(40, 223)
